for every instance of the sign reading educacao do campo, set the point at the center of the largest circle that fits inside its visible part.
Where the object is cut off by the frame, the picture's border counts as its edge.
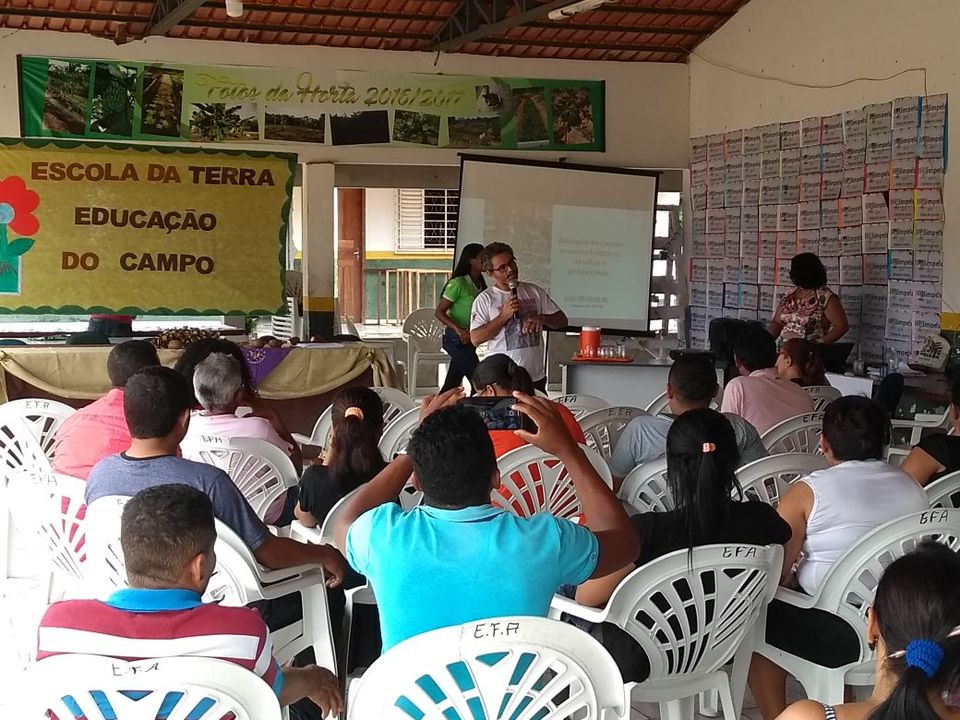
(140, 229)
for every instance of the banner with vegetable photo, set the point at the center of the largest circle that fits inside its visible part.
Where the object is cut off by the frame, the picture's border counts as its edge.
(141, 230)
(86, 98)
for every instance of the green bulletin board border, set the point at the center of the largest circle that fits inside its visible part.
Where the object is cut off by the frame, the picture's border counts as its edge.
(167, 150)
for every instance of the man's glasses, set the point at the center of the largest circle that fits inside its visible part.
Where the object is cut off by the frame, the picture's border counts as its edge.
(502, 268)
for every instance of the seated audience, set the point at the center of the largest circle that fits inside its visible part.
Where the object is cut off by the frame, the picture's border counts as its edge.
(351, 459)
(828, 512)
(691, 385)
(759, 395)
(799, 360)
(913, 625)
(167, 534)
(156, 405)
(937, 454)
(702, 459)
(197, 351)
(500, 376)
(217, 384)
(456, 558)
(99, 429)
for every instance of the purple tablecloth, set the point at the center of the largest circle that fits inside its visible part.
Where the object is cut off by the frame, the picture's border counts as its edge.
(263, 361)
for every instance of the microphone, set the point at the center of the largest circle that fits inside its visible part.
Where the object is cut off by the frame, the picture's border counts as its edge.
(513, 293)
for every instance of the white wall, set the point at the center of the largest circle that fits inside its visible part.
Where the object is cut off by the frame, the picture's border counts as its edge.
(380, 220)
(824, 42)
(646, 104)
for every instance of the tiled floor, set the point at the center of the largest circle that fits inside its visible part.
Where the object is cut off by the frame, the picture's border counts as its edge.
(23, 599)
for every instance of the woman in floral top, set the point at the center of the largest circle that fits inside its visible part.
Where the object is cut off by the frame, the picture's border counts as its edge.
(812, 311)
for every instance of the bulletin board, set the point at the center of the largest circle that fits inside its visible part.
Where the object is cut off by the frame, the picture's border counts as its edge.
(860, 188)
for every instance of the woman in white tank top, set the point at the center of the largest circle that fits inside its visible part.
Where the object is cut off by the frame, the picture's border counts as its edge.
(828, 511)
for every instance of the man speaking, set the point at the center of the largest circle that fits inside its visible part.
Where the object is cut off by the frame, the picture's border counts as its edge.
(510, 315)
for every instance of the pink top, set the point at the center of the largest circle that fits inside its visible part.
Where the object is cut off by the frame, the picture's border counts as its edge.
(764, 400)
(91, 434)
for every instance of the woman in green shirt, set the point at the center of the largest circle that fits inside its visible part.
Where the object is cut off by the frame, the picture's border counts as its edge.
(454, 312)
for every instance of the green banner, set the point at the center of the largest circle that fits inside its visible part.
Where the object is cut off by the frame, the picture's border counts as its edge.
(121, 100)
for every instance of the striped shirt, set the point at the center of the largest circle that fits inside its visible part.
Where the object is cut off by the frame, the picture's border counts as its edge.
(137, 624)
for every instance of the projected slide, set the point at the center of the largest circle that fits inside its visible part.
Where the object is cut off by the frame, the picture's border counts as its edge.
(583, 234)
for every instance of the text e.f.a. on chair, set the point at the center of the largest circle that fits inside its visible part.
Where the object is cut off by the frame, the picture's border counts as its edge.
(521, 668)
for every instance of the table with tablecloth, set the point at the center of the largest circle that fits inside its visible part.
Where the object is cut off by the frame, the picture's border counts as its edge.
(299, 382)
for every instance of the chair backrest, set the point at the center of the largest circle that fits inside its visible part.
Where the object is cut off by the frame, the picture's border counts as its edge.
(261, 470)
(326, 529)
(660, 403)
(945, 492)
(522, 668)
(395, 403)
(580, 405)
(797, 434)
(848, 587)
(645, 487)
(320, 435)
(63, 528)
(532, 481)
(397, 434)
(768, 478)
(602, 428)
(691, 611)
(822, 395)
(42, 417)
(101, 688)
(422, 329)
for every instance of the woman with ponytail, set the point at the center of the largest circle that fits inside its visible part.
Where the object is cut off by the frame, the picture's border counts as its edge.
(799, 360)
(914, 625)
(500, 376)
(702, 459)
(352, 457)
(828, 512)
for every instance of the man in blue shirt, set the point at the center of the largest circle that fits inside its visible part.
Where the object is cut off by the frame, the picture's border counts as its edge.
(457, 558)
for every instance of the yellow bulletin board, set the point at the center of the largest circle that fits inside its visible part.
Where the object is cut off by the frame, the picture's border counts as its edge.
(141, 230)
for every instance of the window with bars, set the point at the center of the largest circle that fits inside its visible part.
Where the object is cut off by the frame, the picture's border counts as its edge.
(665, 310)
(426, 220)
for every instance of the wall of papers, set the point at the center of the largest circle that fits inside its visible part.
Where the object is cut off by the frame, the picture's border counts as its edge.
(861, 188)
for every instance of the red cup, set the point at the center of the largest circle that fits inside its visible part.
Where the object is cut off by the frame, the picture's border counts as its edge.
(589, 341)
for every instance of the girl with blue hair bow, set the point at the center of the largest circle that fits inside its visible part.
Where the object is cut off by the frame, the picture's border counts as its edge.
(914, 625)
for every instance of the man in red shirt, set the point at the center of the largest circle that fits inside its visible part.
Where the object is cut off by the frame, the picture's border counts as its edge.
(167, 534)
(100, 429)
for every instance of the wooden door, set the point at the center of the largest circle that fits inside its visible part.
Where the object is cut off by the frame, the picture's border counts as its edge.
(350, 237)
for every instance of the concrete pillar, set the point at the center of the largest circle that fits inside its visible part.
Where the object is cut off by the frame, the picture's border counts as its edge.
(319, 260)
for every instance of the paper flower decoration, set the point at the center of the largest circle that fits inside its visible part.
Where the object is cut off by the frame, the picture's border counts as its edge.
(17, 204)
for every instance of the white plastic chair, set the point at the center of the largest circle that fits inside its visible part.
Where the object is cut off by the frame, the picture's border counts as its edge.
(690, 613)
(423, 334)
(137, 690)
(397, 434)
(289, 325)
(768, 478)
(896, 456)
(847, 591)
(63, 530)
(660, 403)
(916, 428)
(822, 395)
(395, 403)
(602, 428)
(799, 434)
(42, 417)
(522, 668)
(237, 581)
(532, 481)
(945, 492)
(261, 470)
(26, 469)
(645, 487)
(580, 405)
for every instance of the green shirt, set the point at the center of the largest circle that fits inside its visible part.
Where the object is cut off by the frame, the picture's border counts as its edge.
(461, 291)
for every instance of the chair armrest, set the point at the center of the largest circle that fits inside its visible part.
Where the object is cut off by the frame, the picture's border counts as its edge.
(305, 534)
(572, 607)
(304, 440)
(797, 599)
